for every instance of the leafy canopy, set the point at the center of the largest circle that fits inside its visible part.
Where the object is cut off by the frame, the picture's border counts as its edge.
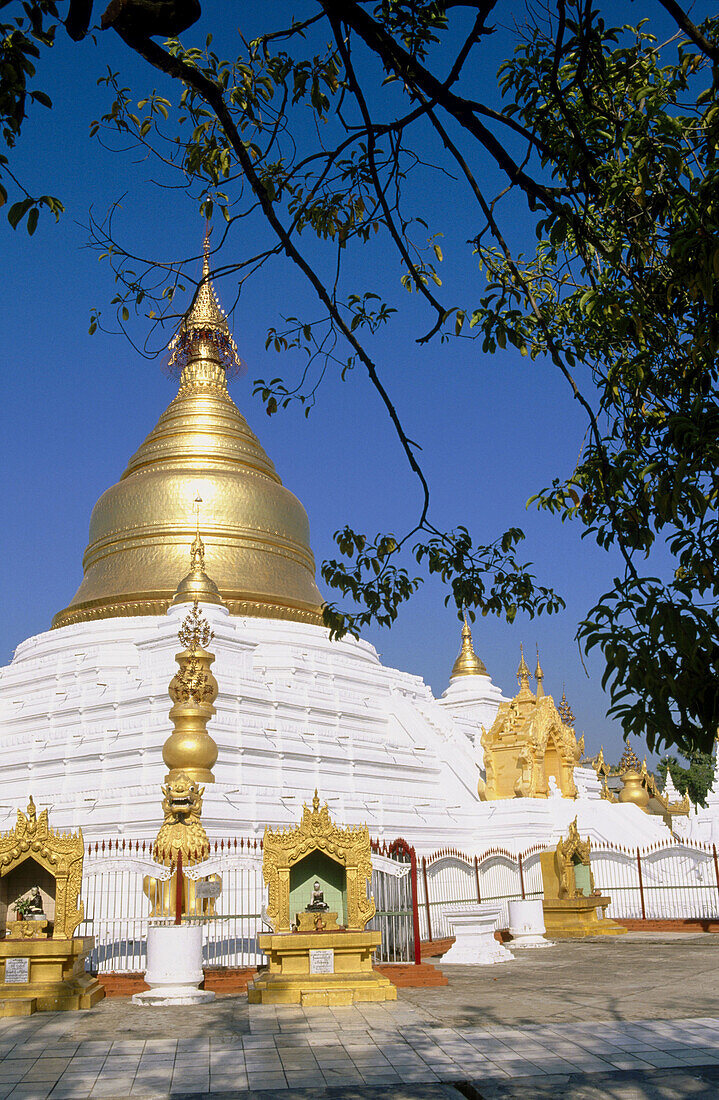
(333, 129)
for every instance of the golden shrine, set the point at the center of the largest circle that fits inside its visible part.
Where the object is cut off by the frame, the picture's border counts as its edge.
(530, 751)
(43, 962)
(573, 908)
(639, 787)
(318, 907)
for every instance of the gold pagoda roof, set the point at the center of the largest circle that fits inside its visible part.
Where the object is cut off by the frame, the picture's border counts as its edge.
(467, 662)
(255, 531)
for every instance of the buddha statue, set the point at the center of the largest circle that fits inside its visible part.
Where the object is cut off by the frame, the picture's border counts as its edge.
(317, 900)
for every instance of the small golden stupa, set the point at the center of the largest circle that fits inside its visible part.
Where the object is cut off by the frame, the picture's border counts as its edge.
(467, 662)
(639, 787)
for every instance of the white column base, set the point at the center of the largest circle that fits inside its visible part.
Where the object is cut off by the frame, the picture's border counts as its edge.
(174, 967)
(474, 945)
(526, 924)
(173, 995)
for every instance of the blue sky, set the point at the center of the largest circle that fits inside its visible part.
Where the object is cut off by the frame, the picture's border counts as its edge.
(493, 429)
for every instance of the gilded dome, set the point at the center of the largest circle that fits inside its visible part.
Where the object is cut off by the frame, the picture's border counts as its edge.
(255, 532)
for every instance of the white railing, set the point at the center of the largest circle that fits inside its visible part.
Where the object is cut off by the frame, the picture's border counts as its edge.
(117, 877)
(449, 878)
(676, 880)
(672, 880)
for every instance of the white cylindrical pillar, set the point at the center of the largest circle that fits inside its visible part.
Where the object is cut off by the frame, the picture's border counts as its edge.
(526, 924)
(174, 966)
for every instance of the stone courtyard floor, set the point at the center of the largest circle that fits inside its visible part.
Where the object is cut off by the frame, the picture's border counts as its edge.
(635, 1018)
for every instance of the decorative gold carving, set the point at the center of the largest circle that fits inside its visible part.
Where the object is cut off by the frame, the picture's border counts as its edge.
(190, 750)
(140, 605)
(350, 847)
(60, 854)
(569, 851)
(195, 631)
(527, 745)
(27, 929)
(181, 831)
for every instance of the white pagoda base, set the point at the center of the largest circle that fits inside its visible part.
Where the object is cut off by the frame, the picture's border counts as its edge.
(85, 714)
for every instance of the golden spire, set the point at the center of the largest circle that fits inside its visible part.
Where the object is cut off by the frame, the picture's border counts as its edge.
(204, 339)
(467, 663)
(523, 670)
(196, 586)
(629, 761)
(525, 695)
(565, 711)
(539, 677)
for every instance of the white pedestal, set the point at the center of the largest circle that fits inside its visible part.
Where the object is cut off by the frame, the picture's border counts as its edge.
(526, 924)
(174, 967)
(473, 928)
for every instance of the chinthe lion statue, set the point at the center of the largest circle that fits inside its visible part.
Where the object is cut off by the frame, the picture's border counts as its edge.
(182, 829)
(181, 832)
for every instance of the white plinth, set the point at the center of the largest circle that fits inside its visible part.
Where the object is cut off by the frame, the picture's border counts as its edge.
(174, 967)
(526, 924)
(473, 928)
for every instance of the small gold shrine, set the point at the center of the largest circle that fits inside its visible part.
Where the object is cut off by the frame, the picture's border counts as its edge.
(573, 908)
(319, 952)
(529, 749)
(40, 879)
(639, 787)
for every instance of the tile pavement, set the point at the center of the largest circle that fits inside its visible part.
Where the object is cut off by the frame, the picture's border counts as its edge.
(364, 1048)
(636, 1019)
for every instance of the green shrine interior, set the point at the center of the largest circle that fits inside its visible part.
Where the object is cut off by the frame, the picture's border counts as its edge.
(332, 877)
(581, 878)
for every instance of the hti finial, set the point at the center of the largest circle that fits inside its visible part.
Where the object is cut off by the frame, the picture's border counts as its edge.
(565, 711)
(195, 632)
(206, 250)
(539, 677)
(523, 670)
(197, 550)
(204, 333)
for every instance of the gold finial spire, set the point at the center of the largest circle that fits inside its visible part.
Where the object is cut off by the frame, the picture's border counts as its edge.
(204, 339)
(196, 586)
(523, 670)
(565, 711)
(316, 802)
(467, 663)
(629, 761)
(539, 677)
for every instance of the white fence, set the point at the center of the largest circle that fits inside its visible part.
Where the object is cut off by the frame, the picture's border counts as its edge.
(449, 878)
(116, 876)
(675, 880)
(669, 881)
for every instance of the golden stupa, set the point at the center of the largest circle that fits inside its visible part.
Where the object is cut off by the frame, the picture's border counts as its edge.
(256, 533)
